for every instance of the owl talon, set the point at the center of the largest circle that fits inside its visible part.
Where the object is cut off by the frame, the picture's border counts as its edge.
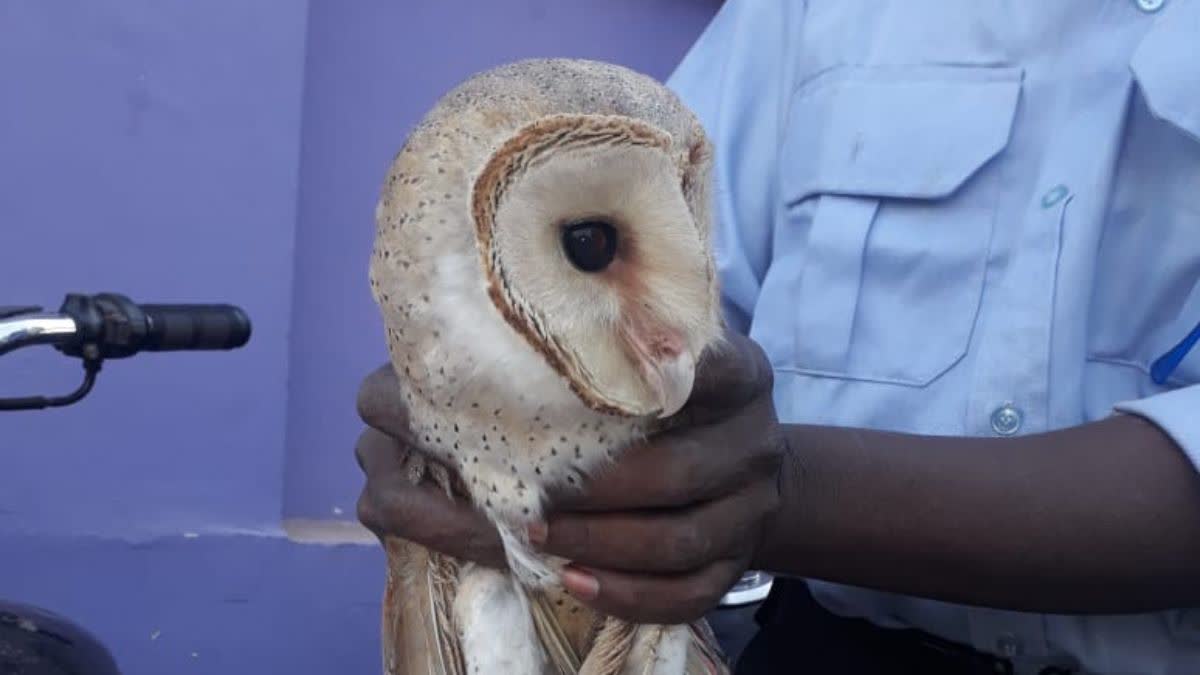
(414, 467)
(417, 467)
(441, 476)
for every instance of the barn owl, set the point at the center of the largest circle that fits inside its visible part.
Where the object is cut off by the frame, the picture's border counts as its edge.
(543, 266)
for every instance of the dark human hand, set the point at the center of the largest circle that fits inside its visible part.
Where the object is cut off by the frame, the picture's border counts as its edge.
(392, 504)
(661, 535)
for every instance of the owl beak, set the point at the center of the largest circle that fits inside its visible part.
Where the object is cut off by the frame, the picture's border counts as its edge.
(667, 367)
(672, 381)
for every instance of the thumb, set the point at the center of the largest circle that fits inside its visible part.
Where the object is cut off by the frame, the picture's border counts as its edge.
(380, 404)
(729, 377)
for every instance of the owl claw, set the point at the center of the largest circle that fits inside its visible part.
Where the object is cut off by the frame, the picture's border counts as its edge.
(414, 466)
(441, 476)
(417, 468)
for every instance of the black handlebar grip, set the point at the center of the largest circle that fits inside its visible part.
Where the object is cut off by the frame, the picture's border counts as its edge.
(194, 327)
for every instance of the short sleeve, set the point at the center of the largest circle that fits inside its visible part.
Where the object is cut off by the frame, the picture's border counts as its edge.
(1177, 413)
(736, 78)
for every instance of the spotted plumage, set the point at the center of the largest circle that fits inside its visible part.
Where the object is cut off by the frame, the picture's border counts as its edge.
(543, 267)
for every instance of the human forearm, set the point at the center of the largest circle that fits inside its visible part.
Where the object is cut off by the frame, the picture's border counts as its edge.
(1098, 518)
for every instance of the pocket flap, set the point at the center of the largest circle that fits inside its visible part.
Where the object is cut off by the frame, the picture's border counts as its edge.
(908, 132)
(1166, 71)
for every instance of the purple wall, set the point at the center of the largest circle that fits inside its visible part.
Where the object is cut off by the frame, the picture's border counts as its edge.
(150, 147)
(230, 151)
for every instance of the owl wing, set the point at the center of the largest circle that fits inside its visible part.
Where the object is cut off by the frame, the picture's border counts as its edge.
(419, 635)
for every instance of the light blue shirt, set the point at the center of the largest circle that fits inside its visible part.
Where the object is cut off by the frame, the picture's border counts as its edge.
(966, 218)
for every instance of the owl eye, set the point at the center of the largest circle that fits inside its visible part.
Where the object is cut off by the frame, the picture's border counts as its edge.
(590, 245)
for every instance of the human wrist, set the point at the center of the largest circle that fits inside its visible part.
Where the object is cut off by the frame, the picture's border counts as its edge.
(776, 536)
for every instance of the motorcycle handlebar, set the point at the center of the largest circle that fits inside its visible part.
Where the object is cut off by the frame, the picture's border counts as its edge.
(111, 326)
(108, 326)
(194, 327)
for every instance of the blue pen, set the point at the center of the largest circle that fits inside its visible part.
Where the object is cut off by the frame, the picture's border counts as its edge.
(1166, 364)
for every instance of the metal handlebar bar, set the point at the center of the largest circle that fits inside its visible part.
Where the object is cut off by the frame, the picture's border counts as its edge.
(34, 329)
(110, 326)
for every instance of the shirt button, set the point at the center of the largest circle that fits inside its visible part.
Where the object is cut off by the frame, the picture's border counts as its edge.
(1150, 5)
(1055, 195)
(1006, 420)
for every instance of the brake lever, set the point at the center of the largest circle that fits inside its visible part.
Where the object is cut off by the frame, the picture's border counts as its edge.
(92, 361)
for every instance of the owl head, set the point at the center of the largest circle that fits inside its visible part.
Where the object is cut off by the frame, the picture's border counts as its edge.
(546, 223)
(593, 236)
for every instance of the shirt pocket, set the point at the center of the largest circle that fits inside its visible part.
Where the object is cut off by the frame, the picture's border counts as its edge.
(1147, 289)
(1168, 321)
(889, 209)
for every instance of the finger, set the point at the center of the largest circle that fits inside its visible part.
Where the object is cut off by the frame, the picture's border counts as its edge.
(655, 599)
(424, 514)
(379, 403)
(391, 505)
(681, 467)
(729, 376)
(379, 454)
(659, 541)
(383, 458)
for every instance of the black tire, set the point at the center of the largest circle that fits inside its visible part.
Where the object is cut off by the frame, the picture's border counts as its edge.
(34, 641)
